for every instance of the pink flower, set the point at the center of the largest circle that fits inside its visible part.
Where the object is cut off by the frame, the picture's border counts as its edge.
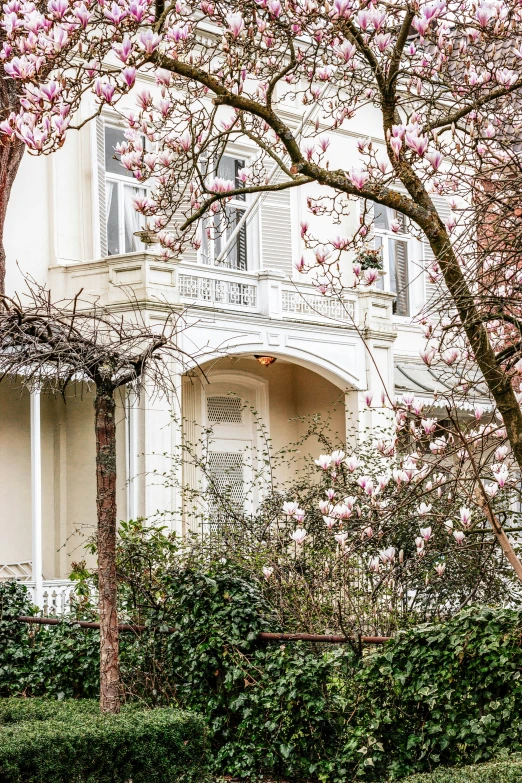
(440, 568)
(351, 463)
(267, 572)
(374, 565)
(236, 24)
(424, 509)
(387, 555)
(479, 412)
(341, 539)
(329, 522)
(396, 144)
(149, 41)
(491, 489)
(290, 508)
(324, 461)
(459, 536)
(115, 14)
(501, 474)
(359, 177)
(418, 144)
(367, 532)
(337, 457)
(451, 355)
(298, 535)
(382, 41)
(219, 185)
(426, 533)
(465, 516)
(427, 355)
(370, 276)
(429, 425)
(435, 158)
(368, 397)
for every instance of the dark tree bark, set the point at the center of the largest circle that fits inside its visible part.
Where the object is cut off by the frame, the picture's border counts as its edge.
(11, 153)
(105, 426)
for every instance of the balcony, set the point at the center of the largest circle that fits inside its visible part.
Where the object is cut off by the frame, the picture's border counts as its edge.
(143, 277)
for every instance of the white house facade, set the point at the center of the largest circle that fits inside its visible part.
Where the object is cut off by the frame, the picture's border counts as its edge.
(71, 225)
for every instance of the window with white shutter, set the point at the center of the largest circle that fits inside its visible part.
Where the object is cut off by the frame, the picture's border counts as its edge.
(218, 229)
(122, 221)
(276, 230)
(395, 256)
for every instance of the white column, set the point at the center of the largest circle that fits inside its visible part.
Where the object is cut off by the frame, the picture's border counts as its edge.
(36, 496)
(132, 455)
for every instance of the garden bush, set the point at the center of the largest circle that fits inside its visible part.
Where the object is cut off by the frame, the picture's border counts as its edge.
(442, 694)
(506, 771)
(45, 741)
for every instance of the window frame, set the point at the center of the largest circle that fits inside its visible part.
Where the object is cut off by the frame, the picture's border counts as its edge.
(120, 181)
(207, 253)
(386, 235)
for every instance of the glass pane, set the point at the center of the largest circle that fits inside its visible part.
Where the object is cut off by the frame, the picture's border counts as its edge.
(113, 220)
(377, 244)
(237, 254)
(382, 216)
(132, 221)
(114, 136)
(228, 169)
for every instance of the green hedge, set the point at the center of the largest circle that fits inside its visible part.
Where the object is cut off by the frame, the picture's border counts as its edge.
(495, 772)
(45, 741)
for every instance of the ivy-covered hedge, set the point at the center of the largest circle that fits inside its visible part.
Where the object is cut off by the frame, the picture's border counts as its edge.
(46, 741)
(508, 771)
(446, 694)
(442, 695)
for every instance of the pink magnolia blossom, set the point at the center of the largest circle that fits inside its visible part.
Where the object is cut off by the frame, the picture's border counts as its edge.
(465, 516)
(387, 555)
(359, 177)
(491, 489)
(267, 572)
(501, 475)
(341, 539)
(299, 535)
(290, 508)
(374, 565)
(329, 522)
(351, 462)
(424, 509)
(429, 425)
(459, 536)
(149, 41)
(426, 533)
(440, 568)
(427, 355)
(324, 461)
(501, 453)
(337, 457)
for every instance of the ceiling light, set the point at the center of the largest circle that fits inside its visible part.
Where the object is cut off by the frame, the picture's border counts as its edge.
(266, 361)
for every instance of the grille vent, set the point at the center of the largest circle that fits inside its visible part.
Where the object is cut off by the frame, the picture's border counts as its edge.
(224, 410)
(226, 472)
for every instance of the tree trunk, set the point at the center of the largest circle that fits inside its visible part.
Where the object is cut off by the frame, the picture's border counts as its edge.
(10, 156)
(107, 585)
(11, 152)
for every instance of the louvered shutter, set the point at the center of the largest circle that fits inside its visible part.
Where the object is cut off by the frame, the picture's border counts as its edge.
(100, 171)
(432, 289)
(227, 485)
(402, 306)
(178, 218)
(276, 230)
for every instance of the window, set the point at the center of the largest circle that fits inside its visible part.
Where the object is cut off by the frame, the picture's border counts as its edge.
(221, 226)
(394, 249)
(122, 219)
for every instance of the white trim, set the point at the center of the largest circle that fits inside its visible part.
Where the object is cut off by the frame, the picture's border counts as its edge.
(36, 495)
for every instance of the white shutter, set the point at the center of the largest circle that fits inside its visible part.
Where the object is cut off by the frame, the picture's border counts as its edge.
(433, 289)
(100, 173)
(178, 218)
(276, 230)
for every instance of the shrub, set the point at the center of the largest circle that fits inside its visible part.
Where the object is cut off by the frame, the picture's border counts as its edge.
(447, 694)
(61, 661)
(44, 741)
(508, 771)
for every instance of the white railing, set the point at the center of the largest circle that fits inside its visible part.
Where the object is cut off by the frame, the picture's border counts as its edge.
(311, 306)
(212, 290)
(58, 595)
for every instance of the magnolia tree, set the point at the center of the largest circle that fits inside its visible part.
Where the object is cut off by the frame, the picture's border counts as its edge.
(368, 541)
(439, 79)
